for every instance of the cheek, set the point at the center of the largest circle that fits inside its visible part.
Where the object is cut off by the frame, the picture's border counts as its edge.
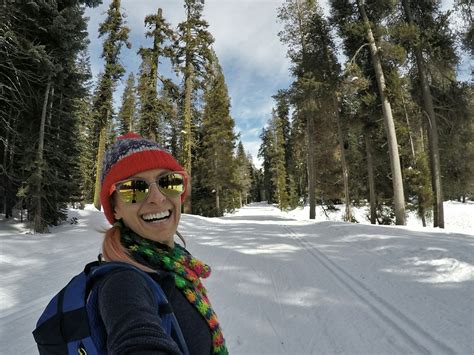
(177, 204)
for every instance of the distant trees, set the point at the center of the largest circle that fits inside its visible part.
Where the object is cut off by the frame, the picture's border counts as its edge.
(244, 177)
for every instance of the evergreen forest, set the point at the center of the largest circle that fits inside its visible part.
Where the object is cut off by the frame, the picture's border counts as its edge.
(375, 113)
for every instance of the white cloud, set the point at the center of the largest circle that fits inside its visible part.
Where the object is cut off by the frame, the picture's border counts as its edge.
(248, 31)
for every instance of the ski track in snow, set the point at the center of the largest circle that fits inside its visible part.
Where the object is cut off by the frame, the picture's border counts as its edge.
(410, 331)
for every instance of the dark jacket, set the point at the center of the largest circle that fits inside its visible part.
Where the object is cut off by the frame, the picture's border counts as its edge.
(131, 320)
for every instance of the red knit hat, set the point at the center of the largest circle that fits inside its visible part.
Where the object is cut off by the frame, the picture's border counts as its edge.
(130, 155)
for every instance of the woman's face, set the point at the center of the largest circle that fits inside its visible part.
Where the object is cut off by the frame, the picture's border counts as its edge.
(155, 218)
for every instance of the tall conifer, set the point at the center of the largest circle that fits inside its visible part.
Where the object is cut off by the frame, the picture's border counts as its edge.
(127, 115)
(192, 55)
(215, 170)
(116, 36)
(151, 117)
(243, 177)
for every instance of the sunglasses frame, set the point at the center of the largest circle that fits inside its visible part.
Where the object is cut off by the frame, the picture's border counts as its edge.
(115, 187)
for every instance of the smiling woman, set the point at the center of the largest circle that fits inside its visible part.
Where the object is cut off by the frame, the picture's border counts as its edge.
(143, 187)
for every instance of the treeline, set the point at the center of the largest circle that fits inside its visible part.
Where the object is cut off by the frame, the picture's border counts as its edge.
(391, 126)
(56, 125)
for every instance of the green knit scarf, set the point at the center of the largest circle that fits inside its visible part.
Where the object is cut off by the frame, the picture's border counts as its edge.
(187, 271)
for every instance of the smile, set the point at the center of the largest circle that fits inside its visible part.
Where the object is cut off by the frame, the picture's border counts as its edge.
(154, 217)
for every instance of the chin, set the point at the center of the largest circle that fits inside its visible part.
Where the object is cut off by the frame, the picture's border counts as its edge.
(168, 240)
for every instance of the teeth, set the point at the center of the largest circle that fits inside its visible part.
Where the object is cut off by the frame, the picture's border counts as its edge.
(155, 216)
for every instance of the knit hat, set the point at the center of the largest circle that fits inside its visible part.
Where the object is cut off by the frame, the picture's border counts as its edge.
(130, 155)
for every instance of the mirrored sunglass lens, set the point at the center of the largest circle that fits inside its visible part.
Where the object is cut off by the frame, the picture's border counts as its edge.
(133, 190)
(171, 184)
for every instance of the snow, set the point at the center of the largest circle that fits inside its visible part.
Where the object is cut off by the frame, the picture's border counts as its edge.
(282, 284)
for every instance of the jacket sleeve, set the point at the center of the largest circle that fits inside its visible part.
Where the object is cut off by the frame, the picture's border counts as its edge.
(130, 315)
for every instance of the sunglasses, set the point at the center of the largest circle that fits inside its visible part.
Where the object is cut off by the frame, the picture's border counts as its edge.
(136, 190)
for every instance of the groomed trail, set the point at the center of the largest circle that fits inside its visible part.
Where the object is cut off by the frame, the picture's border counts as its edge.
(282, 286)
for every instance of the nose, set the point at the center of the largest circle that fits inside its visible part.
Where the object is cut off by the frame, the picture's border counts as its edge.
(155, 195)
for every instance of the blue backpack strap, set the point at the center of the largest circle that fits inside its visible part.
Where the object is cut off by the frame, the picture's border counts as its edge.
(168, 319)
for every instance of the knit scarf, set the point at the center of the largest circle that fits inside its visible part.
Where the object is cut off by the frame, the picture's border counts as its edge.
(187, 272)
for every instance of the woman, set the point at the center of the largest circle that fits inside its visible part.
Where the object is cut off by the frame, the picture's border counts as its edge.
(142, 190)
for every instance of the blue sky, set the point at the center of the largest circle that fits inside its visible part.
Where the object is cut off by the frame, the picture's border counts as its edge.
(246, 41)
(247, 44)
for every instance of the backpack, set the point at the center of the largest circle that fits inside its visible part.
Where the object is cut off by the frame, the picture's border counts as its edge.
(70, 323)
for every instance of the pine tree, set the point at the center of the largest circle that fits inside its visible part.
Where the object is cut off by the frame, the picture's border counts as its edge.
(192, 55)
(87, 156)
(358, 32)
(398, 193)
(116, 36)
(313, 92)
(282, 99)
(466, 11)
(127, 113)
(457, 139)
(417, 48)
(279, 175)
(151, 119)
(214, 172)
(243, 178)
(267, 153)
(295, 14)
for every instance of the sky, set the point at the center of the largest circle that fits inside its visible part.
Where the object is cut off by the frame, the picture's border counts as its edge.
(253, 59)
(280, 283)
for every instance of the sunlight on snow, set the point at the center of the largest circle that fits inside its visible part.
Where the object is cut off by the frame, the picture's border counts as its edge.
(269, 249)
(8, 301)
(444, 270)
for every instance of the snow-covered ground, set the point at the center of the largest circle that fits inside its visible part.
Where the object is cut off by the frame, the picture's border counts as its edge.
(282, 284)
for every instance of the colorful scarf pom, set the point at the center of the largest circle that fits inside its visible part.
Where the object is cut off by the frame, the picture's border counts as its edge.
(187, 271)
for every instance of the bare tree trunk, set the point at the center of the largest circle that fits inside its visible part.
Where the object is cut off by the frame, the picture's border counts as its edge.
(311, 167)
(188, 134)
(100, 158)
(412, 145)
(50, 113)
(39, 223)
(423, 216)
(156, 60)
(310, 129)
(370, 174)
(6, 179)
(433, 138)
(345, 169)
(187, 119)
(8, 166)
(218, 204)
(397, 182)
